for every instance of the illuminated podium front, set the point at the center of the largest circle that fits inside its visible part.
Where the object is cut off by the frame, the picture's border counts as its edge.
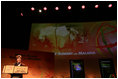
(11, 69)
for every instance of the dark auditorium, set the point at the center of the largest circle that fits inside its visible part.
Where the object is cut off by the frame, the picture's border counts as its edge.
(58, 39)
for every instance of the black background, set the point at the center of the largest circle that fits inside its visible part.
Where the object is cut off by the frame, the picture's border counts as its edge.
(15, 29)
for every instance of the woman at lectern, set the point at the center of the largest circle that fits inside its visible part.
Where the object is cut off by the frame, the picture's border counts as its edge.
(18, 63)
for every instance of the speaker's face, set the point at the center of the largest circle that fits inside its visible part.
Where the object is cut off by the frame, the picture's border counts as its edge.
(18, 60)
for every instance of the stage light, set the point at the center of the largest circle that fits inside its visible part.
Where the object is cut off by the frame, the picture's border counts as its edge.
(40, 10)
(69, 7)
(21, 14)
(83, 6)
(96, 6)
(32, 8)
(56, 8)
(110, 5)
(45, 8)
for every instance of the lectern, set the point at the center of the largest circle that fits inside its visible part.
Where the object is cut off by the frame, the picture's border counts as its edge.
(11, 69)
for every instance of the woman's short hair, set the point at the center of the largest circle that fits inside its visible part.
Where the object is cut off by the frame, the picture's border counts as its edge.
(18, 56)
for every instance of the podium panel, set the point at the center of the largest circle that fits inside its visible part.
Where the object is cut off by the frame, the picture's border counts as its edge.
(20, 69)
(8, 69)
(11, 69)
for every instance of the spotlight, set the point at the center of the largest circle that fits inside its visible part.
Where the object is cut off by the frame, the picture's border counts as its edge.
(96, 6)
(40, 10)
(21, 14)
(45, 8)
(69, 7)
(56, 8)
(32, 9)
(83, 6)
(110, 5)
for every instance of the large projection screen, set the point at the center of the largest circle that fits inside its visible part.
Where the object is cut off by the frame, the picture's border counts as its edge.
(82, 37)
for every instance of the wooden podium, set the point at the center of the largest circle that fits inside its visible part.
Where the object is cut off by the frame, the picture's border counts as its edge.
(11, 69)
